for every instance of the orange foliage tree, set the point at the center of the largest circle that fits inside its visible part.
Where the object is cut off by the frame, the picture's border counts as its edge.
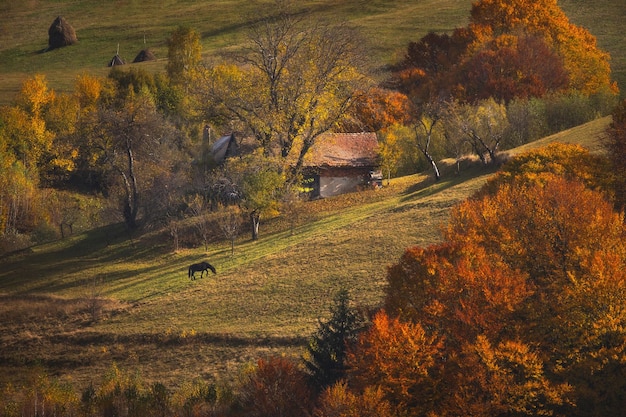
(511, 48)
(375, 110)
(587, 66)
(572, 245)
(512, 66)
(570, 161)
(400, 358)
(525, 302)
(275, 387)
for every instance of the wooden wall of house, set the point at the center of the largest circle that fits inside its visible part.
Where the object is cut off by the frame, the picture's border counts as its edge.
(335, 181)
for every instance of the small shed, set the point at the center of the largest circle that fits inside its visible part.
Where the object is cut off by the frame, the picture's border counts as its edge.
(224, 148)
(339, 163)
(116, 60)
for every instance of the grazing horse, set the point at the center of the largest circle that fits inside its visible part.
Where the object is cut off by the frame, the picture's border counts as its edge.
(201, 267)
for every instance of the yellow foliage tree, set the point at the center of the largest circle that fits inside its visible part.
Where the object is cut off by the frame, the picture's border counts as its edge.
(297, 81)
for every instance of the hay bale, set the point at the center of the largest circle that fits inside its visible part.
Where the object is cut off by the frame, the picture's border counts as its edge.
(61, 34)
(116, 60)
(145, 55)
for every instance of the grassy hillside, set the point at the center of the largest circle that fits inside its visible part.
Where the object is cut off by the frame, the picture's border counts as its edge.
(266, 299)
(135, 24)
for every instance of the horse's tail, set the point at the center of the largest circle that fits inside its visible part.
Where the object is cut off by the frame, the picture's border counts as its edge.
(189, 273)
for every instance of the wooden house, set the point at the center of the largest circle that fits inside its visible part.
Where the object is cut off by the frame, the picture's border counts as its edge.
(339, 163)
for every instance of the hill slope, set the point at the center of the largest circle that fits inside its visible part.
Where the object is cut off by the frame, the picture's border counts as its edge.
(266, 299)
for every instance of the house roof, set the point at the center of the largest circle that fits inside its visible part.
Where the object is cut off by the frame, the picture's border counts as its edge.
(219, 149)
(344, 150)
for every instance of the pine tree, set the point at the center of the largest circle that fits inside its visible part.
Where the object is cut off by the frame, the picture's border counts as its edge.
(327, 349)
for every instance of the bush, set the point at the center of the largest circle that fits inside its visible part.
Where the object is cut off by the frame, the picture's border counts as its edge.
(275, 387)
(565, 111)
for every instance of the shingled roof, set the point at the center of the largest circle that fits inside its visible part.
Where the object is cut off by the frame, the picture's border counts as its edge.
(344, 150)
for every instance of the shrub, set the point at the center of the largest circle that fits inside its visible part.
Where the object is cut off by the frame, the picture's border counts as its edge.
(276, 387)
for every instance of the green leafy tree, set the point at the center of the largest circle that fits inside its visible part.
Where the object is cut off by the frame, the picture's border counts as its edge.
(257, 183)
(327, 349)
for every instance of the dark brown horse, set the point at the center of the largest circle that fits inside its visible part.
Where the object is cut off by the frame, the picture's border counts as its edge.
(201, 267)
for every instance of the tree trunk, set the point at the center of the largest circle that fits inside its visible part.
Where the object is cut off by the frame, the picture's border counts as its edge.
(255, 219)
(432, 163)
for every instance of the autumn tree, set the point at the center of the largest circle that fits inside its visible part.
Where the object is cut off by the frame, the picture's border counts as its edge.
(511, 66)
(275, 387)
(27, 151)
(375, 110)
(586, 65)
(564, 236)
(295, 82)
(390, 152)
(526, 295)
(402, 360)
(482, 126)
(132, 142)
(535, 167)
(510, 49)
(427, 71)
(340, 401)
(24, 124)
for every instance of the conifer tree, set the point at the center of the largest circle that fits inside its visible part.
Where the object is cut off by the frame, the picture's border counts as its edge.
(327, 349)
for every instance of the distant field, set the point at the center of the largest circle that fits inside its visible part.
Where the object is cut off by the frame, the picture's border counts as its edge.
(102, 26)
(132, 25)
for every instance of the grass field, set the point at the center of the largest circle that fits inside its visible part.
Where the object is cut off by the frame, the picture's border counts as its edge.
(132, 25)
(266, 299)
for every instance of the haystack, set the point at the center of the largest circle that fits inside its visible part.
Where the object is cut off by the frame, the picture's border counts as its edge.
(145, 55)
(61, 34)
(116, 60)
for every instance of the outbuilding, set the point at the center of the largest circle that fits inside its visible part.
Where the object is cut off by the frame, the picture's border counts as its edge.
(339, 163)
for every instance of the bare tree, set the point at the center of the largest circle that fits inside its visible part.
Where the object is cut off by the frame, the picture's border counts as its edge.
(202, 222)
(230, 222)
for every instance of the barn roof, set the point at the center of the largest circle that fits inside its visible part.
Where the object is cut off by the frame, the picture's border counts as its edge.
(219, 149)
(344, 150)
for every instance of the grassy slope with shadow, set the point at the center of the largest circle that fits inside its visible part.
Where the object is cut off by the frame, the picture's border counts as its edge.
(264, 300)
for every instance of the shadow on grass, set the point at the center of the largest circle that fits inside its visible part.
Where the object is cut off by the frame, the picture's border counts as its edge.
(429, 186)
